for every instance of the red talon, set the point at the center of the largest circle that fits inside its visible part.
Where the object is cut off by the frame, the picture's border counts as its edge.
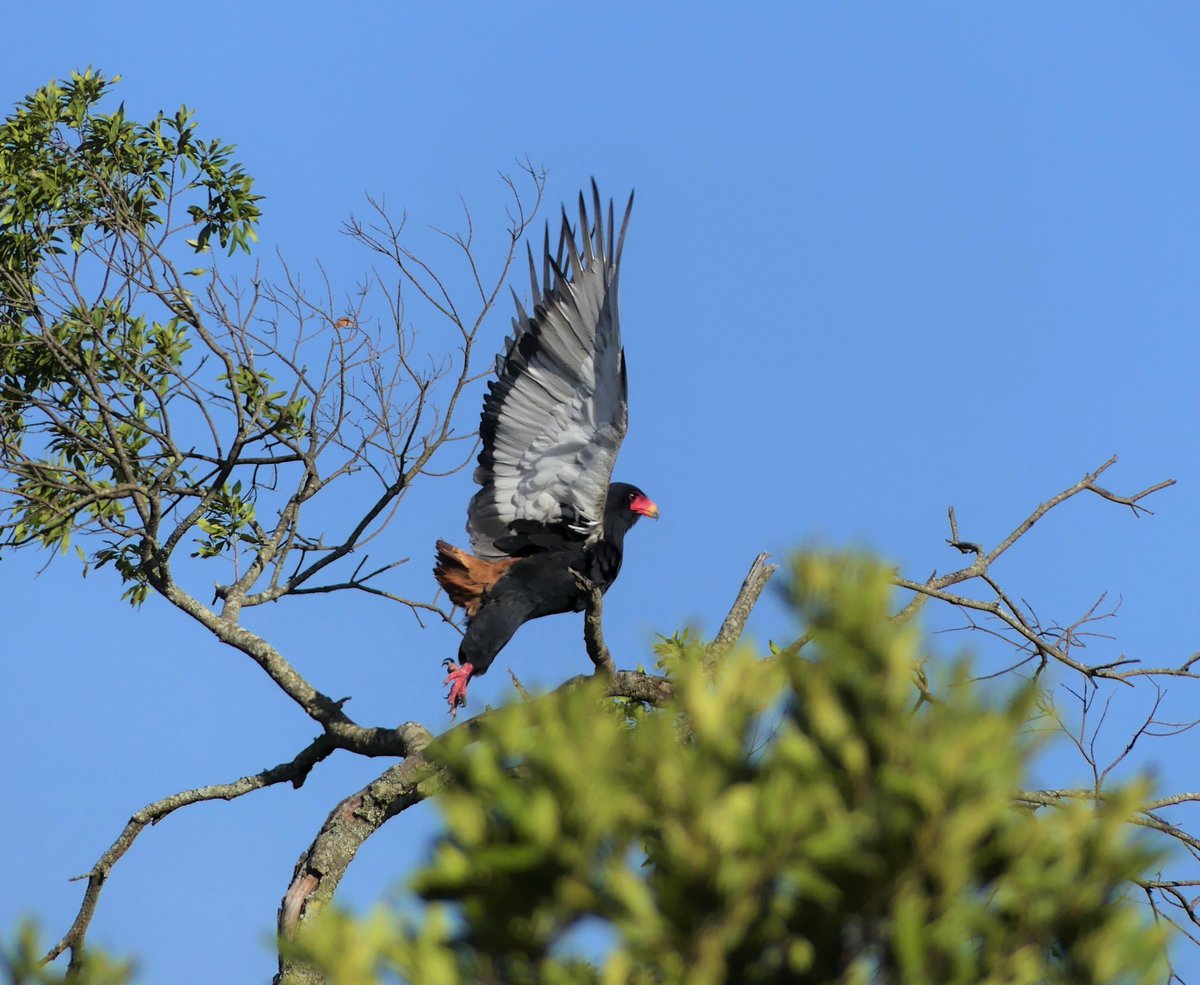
(457, 679)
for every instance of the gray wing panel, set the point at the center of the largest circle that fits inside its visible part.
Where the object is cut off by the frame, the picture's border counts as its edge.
(555, 415)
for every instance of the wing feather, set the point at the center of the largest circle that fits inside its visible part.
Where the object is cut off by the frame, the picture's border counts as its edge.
(554, 417)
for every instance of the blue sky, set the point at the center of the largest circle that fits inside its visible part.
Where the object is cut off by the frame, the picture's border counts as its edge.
(883, 260)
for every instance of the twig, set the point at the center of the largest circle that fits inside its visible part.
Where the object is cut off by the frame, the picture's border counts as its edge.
(294, 771)
(593, 631)
(731, 629)
(518, 685)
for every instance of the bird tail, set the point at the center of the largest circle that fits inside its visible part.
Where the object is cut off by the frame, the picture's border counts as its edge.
(467, 578)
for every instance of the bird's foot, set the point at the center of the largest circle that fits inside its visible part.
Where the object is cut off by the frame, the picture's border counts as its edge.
(457, 679)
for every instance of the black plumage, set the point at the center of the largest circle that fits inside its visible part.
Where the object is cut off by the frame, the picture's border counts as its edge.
(546, 513)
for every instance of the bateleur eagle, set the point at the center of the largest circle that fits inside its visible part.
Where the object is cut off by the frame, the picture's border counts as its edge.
(546, 513)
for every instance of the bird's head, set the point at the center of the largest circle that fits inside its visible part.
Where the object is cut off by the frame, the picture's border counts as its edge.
(624, 498)
(643, 505)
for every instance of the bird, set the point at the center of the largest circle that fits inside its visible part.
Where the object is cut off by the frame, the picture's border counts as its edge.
(547, 523)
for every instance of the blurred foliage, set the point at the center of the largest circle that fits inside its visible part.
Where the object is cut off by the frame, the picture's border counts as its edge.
(787, 820)
(21, 964)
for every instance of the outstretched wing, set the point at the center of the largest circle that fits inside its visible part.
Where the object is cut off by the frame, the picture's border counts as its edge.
(554, 418)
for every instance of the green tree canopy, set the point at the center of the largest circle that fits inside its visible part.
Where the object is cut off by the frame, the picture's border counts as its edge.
(796, 817)
(96, 321)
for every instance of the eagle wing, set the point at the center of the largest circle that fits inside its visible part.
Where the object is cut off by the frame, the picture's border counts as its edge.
(555, 415)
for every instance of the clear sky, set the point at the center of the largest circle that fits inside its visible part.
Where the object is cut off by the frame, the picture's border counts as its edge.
(884, 259)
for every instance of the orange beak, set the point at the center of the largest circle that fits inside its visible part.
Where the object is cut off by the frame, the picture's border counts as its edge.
(645, 506)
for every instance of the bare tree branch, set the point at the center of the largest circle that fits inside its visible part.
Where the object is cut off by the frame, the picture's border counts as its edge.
(1045, 644)
(295, 771)
(593, 629)
(731, 629)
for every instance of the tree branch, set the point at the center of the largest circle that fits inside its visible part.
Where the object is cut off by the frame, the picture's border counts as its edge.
(295, 771)
(320, 869)
(1044, 643)
(747, 597)
(593, 632)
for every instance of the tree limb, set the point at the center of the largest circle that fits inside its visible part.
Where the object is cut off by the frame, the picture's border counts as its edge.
(593, 633)
(731, 629)
(1045, 643)
(295, 771)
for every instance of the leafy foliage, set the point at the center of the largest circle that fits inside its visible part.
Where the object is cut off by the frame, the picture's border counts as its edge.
(788, 820)
(21, 963)
(69, 172)
(98, 334)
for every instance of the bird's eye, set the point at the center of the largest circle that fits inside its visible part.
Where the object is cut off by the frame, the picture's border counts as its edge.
(632, 497)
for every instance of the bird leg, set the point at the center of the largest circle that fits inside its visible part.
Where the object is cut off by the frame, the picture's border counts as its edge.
(457, 679)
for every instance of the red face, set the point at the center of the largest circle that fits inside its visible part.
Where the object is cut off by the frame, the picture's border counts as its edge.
(642, 504)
